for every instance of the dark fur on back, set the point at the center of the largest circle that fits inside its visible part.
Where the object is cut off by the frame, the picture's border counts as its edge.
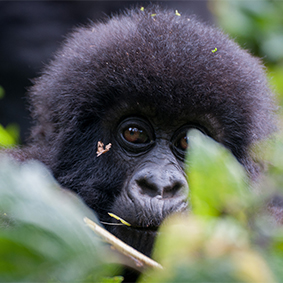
(138, 62)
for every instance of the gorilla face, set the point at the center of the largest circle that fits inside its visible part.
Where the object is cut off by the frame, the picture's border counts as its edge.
(147, 180)
(140, 81)
(156, 186)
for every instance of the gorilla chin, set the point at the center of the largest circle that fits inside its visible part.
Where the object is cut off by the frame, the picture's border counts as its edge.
(145, 214)
(141, 239)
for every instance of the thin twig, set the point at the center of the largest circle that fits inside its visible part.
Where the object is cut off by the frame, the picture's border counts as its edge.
(125, 249)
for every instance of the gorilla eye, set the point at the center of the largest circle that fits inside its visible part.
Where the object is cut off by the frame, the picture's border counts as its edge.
(136, 135)
(183, 142)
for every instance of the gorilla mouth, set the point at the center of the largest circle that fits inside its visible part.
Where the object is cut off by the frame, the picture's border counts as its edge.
(147, 229)
(138, 225)
(139, 237)
(144, 226)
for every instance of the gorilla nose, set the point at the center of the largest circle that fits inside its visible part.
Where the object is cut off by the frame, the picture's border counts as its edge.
(164, 185)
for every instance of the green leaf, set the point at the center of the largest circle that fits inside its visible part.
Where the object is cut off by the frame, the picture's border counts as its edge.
(43, 236)
(6, 139)
(199, 249)
(218, 183)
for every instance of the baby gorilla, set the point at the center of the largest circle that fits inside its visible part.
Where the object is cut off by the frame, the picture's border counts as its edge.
(140, 81)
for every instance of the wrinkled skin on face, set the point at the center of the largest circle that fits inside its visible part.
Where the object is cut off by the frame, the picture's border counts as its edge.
(156, 185)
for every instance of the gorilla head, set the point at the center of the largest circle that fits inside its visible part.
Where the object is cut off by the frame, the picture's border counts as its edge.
(140, 81)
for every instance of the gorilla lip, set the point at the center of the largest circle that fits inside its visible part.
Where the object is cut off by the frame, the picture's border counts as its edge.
(146, 229)
(125, 223)
(139, 230)
(135, 227)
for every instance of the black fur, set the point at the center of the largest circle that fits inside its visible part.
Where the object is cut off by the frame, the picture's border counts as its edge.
(156, 66)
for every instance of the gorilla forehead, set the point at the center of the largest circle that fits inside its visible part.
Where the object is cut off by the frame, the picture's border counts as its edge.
(142, 59)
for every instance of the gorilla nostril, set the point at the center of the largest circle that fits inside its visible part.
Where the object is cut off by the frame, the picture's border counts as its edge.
(153, 187)
(147, 188)
(172, 190)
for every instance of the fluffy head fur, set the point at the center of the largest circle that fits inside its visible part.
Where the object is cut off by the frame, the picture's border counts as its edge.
(159, 66)
(163, 63)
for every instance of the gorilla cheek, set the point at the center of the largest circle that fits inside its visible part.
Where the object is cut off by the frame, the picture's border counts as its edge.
(151, 194)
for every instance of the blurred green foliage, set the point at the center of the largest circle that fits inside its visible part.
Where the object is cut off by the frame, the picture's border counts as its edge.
(43, 237)
(10, 135)
(257, 26)
(273, 179)
(227, 236)
(227, 179)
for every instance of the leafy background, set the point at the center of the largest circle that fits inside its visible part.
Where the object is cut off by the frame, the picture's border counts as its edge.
(227, 236)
